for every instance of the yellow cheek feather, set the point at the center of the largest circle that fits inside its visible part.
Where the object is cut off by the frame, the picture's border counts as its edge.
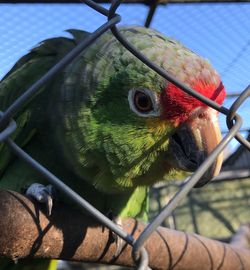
(159, 126)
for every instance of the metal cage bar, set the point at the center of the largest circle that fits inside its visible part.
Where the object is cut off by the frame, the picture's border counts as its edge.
(234, 122)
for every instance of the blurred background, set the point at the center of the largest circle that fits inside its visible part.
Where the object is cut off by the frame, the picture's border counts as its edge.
(216, 30)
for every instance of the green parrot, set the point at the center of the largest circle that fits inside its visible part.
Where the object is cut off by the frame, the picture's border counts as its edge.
(108, 125)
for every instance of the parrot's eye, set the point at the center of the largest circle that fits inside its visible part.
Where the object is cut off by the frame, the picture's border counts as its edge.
(143, 102)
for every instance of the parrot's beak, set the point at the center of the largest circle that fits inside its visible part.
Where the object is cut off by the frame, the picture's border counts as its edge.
(195, 140)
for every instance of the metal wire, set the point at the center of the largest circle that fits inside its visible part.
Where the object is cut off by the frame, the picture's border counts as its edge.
(151, 12)
(17, 104)
(234, 122)
(141, 259)
(8, 130)
(173, 203)
(232, 112)
(68, 191)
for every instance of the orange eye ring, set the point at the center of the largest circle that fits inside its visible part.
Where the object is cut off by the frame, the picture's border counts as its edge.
(143, 102)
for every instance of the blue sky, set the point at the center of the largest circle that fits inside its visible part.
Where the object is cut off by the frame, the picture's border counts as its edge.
(219, 32)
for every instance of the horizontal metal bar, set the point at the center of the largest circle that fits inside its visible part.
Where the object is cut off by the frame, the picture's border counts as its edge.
(224, 176)
(148, 2)
(241, 130)
(231, 175)
(232, 95)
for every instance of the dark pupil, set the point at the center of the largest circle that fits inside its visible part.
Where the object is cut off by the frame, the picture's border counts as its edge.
(143, 102)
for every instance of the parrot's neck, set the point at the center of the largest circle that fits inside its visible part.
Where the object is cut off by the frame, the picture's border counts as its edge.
(132, 203)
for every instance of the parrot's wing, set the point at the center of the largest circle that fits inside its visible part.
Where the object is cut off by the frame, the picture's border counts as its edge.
(23, 74)
(54, 48)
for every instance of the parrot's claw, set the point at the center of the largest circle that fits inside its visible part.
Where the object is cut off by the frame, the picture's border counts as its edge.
(120, 243)
(42, 194)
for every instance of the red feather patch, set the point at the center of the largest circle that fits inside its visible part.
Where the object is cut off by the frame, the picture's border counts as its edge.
(177, 104)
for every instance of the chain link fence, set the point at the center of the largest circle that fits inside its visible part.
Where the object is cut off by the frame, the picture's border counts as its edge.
(178, 192)
(217, 31)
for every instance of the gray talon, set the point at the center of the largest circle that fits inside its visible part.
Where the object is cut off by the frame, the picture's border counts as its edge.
(42, 194)
(120, 243)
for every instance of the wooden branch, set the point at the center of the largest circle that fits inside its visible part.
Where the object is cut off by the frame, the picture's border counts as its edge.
(70, 235)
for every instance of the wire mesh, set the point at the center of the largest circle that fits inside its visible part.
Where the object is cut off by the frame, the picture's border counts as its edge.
(216, 211)
(234, 122)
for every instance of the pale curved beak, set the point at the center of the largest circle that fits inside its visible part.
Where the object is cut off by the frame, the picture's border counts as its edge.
(195, 140)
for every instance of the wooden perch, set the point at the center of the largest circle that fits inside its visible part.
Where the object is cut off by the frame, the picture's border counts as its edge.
(70, 235)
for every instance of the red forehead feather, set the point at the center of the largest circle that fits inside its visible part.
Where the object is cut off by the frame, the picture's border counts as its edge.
(177, 105)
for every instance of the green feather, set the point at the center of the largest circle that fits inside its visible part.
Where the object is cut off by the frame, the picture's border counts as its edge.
(67, 105)
(80, 124)
(24, 73)
(82, 118)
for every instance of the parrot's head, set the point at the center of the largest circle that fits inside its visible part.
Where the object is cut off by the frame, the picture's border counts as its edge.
(141, 128)
(197, 130)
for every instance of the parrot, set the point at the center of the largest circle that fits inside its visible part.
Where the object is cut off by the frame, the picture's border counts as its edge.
(107, 124)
